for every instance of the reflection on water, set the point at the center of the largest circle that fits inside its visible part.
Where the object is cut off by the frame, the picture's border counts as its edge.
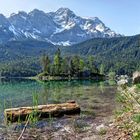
(93, 97)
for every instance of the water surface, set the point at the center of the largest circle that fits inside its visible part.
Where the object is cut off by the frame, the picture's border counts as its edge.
(94, 98)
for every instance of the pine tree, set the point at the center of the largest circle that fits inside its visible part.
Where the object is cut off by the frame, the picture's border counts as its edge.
(102, 69)
(81, 65)
(90, 63)
(75, 65)
(65, 66)
(45, 61)
(57, 62)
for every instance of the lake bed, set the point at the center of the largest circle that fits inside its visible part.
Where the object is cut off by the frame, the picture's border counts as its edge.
(96, 99)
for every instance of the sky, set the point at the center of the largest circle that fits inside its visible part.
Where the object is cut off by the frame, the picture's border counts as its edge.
(122, 16)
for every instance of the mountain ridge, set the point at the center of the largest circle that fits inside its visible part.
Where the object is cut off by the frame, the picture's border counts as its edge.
(62, 27)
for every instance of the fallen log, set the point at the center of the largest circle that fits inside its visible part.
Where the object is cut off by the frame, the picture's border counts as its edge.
(41, 111)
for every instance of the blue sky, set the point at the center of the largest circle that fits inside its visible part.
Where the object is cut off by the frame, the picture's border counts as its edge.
(122, 16)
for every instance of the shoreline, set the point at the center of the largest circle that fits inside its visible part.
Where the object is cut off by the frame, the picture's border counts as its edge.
(68, 78)
(57, 78)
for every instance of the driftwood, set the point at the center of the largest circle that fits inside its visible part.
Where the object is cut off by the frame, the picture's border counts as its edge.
(41, 111)
(20, 137)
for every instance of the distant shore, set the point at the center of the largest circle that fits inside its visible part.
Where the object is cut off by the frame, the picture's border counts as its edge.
(59, 78)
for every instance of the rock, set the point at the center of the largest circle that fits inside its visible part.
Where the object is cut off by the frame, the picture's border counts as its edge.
(122, 79)
(100, 127)
(122, 82)
(136, 77)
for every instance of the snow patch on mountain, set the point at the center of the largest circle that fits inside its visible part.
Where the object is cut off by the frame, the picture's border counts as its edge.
(100, 28)
(13, 30)
(62, 27)
(66, 43)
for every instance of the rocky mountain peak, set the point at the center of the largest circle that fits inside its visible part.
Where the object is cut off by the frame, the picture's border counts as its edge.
(36, 12)
(62, 27)
(64, 11)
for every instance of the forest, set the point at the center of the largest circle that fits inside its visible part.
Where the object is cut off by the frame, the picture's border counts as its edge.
(73, 66)
(120, 55)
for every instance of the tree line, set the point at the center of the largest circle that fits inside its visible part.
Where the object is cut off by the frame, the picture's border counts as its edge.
(68, 66)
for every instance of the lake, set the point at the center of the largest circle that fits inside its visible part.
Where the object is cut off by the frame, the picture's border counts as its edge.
(93, 97)
(96, 99)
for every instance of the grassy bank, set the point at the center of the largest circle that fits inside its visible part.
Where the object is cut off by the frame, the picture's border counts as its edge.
(127, 122)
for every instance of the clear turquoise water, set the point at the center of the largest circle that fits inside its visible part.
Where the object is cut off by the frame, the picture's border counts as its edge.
(93, 97)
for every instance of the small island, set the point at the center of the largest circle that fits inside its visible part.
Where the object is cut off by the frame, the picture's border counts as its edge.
(69, 68)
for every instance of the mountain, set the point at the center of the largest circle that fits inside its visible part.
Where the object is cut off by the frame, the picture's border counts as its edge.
(22, 58)
(121, 55)
(62, 27)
